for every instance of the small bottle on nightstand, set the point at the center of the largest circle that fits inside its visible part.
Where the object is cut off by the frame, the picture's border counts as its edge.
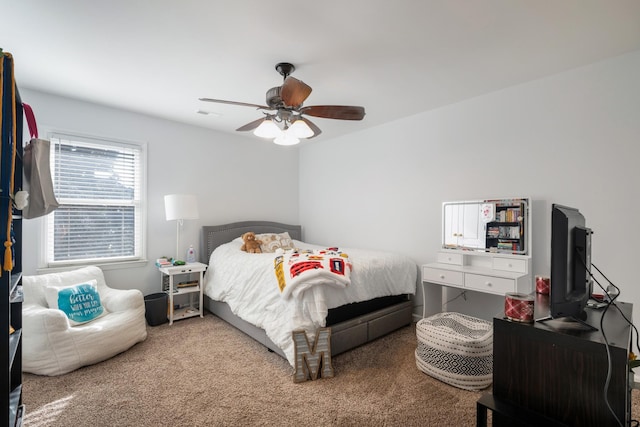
(191, 254)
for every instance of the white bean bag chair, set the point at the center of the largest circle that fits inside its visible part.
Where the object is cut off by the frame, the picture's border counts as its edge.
(456, 349)
(55, 343)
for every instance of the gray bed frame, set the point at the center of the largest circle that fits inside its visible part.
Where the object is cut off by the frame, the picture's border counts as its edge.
(345, 335)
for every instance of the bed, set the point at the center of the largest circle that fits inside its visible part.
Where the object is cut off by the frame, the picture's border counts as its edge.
(352, 324)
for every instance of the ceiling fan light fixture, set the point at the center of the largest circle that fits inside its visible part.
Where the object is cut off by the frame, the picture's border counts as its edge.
(301, 129)
(267, 129)
(284, 111)
(286, 138)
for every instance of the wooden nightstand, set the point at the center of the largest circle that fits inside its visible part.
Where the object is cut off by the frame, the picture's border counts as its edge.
(183, 280)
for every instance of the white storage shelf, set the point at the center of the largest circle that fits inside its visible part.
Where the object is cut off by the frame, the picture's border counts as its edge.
(194, 306)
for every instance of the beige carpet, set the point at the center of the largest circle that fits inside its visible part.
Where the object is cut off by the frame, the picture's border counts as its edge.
(203, 372)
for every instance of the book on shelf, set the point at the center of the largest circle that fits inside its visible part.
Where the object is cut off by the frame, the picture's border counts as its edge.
(509, 232)
(509, 215)
(188, 284)
(509, 246)
(163, 262)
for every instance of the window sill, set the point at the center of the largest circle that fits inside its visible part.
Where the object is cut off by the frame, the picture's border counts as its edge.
(104, 266)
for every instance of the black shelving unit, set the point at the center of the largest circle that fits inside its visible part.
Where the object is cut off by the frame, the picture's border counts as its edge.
(506, 233)
(12, 409)
(558, 372)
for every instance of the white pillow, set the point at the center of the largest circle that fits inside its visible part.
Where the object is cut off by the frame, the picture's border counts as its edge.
(81, 302)
(272, 241)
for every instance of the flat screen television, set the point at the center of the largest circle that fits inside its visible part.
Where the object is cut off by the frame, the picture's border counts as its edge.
(571, 282)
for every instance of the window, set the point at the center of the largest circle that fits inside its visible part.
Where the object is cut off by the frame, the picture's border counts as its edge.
(100, 187)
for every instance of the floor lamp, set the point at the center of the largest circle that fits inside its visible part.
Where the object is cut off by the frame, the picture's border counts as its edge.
(180, 207)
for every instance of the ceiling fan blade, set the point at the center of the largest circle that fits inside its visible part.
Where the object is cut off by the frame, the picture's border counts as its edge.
(316, 130)
(251, 126)
(294, 92)
(342, 112)
(244, 104)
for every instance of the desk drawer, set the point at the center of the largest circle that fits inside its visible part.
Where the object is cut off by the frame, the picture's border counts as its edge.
(510, 264)
(495, 285)
(446, 277)
(450, 258)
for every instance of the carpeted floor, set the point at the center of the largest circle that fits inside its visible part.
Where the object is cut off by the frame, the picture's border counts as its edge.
(203, 372)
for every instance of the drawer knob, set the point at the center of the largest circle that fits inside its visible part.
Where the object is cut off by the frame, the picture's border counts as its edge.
(510, 265)
(442, 276)
(489, 284)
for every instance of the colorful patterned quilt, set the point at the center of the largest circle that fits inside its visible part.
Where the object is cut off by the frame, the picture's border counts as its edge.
(298, 271)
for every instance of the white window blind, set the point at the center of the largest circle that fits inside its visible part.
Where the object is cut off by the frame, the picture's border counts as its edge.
(99, 186)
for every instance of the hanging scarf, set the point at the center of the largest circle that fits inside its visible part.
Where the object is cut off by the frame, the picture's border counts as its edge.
(9, 137)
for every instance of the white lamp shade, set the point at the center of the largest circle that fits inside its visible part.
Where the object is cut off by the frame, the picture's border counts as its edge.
(267, 129)
(180, 206)
(301, 129)
(287, 138)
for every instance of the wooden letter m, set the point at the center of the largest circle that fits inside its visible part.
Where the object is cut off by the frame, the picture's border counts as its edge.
(312, 361)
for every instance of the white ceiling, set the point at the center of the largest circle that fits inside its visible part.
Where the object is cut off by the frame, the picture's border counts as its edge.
(395, 58)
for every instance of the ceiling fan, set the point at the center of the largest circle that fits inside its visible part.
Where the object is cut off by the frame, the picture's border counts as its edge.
(284, 113)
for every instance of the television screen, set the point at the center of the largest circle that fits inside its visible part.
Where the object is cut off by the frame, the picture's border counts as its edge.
(570, 263)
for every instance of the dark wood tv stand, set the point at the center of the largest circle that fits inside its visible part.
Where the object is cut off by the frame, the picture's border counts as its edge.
(556, 371)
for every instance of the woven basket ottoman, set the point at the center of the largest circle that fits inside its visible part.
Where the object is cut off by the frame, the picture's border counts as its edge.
(456, 349)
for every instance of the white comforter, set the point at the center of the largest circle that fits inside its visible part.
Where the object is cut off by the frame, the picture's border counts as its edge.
(247, 283)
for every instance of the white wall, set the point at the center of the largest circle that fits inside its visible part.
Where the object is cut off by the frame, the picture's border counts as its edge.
(234, 178)
(572, 138)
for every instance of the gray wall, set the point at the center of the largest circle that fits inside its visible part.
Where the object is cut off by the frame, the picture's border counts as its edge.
(572, 138)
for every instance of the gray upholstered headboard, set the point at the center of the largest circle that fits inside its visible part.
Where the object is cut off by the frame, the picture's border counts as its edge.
(216, 235)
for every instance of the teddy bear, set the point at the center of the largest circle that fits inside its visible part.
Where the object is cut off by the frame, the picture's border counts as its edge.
(251, 244)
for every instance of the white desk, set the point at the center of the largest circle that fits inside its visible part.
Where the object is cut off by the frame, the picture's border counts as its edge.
(492, 273)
